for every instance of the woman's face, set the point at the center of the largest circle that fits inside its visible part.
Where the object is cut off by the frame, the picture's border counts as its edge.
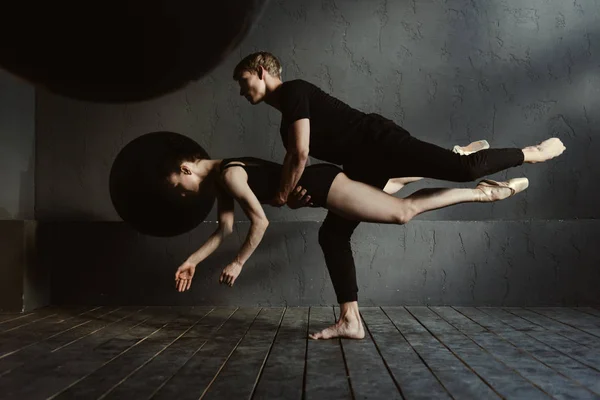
(186, 182)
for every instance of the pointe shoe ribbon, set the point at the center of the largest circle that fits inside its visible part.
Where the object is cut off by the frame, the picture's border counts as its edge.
(471, 148)
(516, 185)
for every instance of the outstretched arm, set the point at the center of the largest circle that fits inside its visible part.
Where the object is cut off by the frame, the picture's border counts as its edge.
(236, 181)
(295, 159)
(185, 273)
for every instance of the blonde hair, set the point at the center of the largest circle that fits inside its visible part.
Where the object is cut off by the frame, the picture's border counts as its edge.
(254, 61)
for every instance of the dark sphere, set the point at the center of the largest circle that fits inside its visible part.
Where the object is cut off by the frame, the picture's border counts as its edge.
(120, 51)
(140, 194)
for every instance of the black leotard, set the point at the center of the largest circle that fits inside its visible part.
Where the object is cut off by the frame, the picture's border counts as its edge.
(264, 178)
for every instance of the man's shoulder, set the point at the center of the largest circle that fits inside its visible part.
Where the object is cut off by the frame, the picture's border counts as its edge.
(298, 84)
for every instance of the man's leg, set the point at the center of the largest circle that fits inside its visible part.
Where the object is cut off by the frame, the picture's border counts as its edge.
(403, 155)
(334, 238)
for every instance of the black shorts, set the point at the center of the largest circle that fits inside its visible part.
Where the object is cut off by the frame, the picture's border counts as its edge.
(317, 180)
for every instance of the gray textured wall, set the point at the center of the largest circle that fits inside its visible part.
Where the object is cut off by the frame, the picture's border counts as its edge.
(513, 72)
(17, 148)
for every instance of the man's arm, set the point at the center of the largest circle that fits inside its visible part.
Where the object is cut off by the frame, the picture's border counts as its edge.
(295, 158)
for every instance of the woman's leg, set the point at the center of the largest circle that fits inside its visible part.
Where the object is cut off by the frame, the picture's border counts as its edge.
(358, 201)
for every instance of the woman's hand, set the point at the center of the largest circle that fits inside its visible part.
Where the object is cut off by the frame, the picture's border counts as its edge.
(184, 275)
(230, 273)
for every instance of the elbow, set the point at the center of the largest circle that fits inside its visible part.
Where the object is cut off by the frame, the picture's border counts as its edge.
(301, 156)
(226, 230)
(261, 223)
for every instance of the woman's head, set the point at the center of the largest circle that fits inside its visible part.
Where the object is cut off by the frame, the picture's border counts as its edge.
(180, 168)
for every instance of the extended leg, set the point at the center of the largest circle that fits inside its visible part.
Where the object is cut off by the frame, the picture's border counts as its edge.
(361, 202)
(403, 155)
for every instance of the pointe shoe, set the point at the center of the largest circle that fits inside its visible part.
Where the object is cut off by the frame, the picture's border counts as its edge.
(516, 185)
(471, 148)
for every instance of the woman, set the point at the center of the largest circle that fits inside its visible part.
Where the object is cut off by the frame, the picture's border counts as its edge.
(253, 182)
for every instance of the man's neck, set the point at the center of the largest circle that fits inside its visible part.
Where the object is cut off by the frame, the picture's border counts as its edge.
(273, 93)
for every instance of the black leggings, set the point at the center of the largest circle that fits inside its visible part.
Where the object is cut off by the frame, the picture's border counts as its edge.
(410, 157)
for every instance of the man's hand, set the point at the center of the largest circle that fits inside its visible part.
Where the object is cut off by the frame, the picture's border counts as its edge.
(184, 275)
(230, 273)
(298, 198)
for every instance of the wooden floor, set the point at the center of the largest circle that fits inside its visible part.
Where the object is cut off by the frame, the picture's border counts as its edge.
(263, 353)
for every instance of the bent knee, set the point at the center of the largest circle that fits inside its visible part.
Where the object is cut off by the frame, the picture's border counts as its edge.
(402, 217)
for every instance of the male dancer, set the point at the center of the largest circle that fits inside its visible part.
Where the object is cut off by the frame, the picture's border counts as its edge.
(318, 124)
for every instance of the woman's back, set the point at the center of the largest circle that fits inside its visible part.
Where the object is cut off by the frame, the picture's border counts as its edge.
(264, 178)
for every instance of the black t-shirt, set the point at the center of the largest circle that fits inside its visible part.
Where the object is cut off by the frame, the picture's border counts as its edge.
(335, 127)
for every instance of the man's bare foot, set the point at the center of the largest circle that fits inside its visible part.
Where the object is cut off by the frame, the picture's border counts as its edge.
(489, 190)
(544, 151)
(350, 328)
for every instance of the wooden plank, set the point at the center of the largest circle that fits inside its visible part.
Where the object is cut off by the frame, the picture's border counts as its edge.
(94, 322)
(558, 357)
(150, 339)
(551, 381)
(413, 376)
(583, 322)
(193, 378)
(283, 374)
(588, 310)
(247, 360)
(326, 375)
(559, 328)
(28, 320)
(505, 381)
(150, 378)
(369, 375)
(22, 338)
(458, 379)
(58, 369)
(9, 317)
(586, 356)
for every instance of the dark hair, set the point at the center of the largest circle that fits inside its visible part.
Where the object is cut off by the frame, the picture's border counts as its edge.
(176, 150)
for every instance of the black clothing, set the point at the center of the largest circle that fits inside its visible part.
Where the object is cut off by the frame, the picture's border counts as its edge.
(372, 149)
(264, 178)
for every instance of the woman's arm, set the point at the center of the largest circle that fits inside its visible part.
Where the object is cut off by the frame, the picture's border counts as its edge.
(225, 228)
(185, 273)
(236, 182)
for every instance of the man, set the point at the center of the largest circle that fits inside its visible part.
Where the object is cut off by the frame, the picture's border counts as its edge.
(318, 124)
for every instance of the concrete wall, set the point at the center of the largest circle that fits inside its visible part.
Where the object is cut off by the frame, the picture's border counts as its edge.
(512, 72)
(23, 284)
(17, 148)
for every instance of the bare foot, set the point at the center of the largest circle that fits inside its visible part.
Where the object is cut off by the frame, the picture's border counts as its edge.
(544, 151)
(350, 328)
(489, 190)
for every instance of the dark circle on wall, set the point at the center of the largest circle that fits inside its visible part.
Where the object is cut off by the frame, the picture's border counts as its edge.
(140, 194)
(121, 51)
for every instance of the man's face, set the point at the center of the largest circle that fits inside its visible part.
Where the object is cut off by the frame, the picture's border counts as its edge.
(252, 87)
